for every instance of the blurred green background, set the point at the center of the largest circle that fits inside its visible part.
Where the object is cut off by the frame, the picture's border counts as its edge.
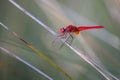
(102, 45)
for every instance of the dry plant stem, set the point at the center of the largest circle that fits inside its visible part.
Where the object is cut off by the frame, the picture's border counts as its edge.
(25, 62)
(32, 17)
(101, 70)
(36, 51)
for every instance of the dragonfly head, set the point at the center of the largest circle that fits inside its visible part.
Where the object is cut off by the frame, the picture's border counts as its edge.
(62, 30)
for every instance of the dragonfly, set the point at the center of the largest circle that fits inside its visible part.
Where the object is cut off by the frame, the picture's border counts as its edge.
(67, 32)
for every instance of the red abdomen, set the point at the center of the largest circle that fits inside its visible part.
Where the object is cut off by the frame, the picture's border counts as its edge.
(81, 28)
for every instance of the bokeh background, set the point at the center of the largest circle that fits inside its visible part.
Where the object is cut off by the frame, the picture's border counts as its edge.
(103, 45)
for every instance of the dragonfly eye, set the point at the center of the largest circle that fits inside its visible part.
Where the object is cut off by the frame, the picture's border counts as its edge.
(62, 30)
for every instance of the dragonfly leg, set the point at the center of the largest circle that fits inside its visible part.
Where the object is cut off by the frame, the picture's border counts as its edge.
(71, 39)
(66, 40)
(61, 36)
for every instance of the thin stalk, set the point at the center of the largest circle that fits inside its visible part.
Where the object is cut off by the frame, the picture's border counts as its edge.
(25, 62)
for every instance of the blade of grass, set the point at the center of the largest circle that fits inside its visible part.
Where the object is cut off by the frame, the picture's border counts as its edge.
(100, 69)
(36, 51)
(25, 62)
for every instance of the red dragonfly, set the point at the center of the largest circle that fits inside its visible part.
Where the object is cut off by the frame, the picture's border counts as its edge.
(66, 33)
